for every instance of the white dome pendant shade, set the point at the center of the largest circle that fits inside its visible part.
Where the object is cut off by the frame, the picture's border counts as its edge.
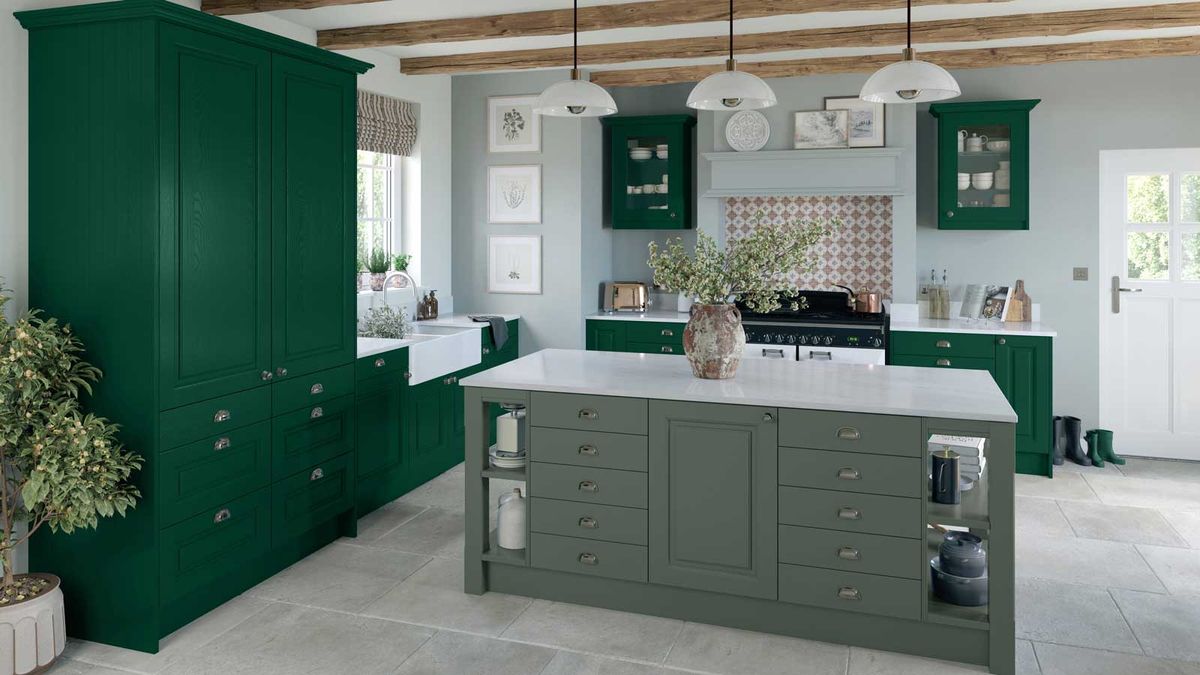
(910, 80)
(731, 89)
(576, 97)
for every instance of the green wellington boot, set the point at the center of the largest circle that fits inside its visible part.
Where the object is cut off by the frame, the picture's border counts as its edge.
(1105, 439)
(1093, 443)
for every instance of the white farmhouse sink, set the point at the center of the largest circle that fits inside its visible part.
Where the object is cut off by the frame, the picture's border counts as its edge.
(433, 351)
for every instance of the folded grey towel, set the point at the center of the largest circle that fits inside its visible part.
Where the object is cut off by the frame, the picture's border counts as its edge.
(499, 328)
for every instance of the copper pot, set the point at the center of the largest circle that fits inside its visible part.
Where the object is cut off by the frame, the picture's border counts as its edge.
(864, 301)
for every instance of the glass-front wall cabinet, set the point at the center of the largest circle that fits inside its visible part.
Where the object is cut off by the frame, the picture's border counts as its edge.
(983, 165)
(650, 175)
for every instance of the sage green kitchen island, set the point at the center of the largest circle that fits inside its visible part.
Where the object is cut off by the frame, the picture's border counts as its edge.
(792, 499)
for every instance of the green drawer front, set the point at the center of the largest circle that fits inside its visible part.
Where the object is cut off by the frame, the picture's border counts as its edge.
(587, 556)
(944, 361)
(590, 521)
(851, 471)
(311, 497)
(223, 539)
(851, 432)
(944, 344)
(663, 333)
(214, 416)
(850, 591)
(588, 448)
(589, 485)
(198, 476)
(310, 435)
(589, 413)
(313, 389)
(851, 551)
(653, 348)
(850, 511)
(395, 361)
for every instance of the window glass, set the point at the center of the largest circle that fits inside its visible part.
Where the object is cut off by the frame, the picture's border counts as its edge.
(1147, 198)
(377, 204)
(1147, 255)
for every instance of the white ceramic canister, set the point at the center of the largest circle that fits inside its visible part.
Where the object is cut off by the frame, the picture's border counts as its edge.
(510, 527)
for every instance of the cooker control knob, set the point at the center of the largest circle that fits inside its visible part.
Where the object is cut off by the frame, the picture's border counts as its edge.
(791, 339)
(778, 339)
(876, 342)
(803, 339)
(827, 340)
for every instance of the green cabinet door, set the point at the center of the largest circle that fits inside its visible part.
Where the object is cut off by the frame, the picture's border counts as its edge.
(655, 209)
(713, 497)
(215, 255)
(1024, 371)
(427, 428)
(378, 416)
(605, 336)
(313, 155)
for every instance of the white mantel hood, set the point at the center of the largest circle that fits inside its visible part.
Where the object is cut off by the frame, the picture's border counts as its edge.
(853, 171)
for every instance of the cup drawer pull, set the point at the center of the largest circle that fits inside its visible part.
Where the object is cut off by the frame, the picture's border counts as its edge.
(589, 450)
(943, 344)
(379, 363)
(588, 414)
(847, 473)
(667, 332)
(316, 412)
(317, 388)
(849, 434)
(221, 416)
(849, 593)
(667, 349)
(222, 443)
(588, 486)
(588, 523)
(588, 559)
(943, 362)
(317, 474)
(849, 553)
(221, 516)
(847, 513)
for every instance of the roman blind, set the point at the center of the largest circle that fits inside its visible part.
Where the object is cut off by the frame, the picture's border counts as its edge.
(386, 124)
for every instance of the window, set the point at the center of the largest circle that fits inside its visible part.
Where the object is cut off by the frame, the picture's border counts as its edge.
(1162, 216)
(379, 207)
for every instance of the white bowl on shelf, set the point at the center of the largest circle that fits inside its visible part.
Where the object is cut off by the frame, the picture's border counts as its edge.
(640, 154)
(983, 180)
(998, 145)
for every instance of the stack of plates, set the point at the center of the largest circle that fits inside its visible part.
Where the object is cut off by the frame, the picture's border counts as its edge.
(640, 153)
(506, 460)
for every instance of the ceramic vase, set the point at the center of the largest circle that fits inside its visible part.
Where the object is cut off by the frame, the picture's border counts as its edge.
(33, 632)
(714, 340)
(377, 279)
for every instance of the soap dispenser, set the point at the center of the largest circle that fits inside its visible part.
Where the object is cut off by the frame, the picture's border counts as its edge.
(431, 311)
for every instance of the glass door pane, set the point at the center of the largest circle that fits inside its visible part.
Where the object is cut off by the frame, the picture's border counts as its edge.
(647, 173)
(984, 171)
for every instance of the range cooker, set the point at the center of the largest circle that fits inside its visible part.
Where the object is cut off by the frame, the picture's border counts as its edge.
(828, 330)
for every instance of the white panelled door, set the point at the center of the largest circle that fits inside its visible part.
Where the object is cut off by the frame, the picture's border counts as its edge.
(1150, 301)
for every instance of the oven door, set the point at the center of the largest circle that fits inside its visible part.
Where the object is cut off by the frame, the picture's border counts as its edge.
(769, 351)
(843, 355)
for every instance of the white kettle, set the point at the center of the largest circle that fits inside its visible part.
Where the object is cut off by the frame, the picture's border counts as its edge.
(510, 528)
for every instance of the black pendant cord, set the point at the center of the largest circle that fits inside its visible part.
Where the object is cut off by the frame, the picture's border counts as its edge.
(730, 30)
(910, 24)
(575, 36)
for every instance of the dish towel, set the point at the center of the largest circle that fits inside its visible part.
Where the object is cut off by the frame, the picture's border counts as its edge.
(499, 328)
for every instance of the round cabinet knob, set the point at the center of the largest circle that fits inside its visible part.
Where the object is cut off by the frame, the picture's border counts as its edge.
(281, 371)
(266, 375)
(949, 214)
(1002, 341)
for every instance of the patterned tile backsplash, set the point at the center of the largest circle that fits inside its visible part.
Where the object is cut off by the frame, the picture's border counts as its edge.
(858, 255)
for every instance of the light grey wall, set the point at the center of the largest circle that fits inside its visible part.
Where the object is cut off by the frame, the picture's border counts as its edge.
(1086, 107)
(576, 252)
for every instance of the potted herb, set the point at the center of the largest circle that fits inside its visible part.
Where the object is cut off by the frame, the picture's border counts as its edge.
(378, 264)
(755, 269)
(62, 468)
(400, 264)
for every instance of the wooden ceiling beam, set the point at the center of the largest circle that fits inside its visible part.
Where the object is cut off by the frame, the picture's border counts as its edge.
(1050, 24)
(950, 59)
(597, 17)
(232, 7)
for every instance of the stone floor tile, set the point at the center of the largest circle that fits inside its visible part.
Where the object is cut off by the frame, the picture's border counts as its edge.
(574, 663)
(1153, 493)
(1177, 568)
(1064, 660)
(1168, 626)
(595, 630)
(872, 662)
(435, 531)
(1186, 523)
(1038, 516)
(1082, 616)
(1026, 659)
(1084, 561)
(727, 650)
(340, 576)
(385, 519)
(1129, 524)
(462, 654)
(1065, 485)
(1162, 469)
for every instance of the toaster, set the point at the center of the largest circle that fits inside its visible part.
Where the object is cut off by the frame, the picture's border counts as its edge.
(624, 296)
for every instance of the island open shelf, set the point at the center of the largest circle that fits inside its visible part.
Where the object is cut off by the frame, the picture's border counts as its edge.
(940, 611)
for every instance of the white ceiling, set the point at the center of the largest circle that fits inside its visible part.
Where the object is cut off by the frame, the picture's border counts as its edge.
(393, 11)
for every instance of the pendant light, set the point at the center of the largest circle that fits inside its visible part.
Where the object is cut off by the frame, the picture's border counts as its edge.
(575, 97)
(910, 80)
(731, 89)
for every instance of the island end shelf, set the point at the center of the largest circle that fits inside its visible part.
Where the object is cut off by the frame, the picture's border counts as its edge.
(653, 493)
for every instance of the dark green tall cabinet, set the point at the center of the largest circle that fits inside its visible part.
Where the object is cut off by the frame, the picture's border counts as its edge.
(650, 189)
(201, 245)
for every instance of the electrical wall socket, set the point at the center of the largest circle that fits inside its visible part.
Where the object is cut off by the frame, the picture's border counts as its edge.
(1080, 274)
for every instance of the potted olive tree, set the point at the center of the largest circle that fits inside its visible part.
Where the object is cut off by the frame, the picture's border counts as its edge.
(62, 469)
(756, 269)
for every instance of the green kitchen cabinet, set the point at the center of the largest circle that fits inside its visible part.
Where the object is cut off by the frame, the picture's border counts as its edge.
(988, 142)
(428, 427)
(382, 472)
(669, 204)
(638, 337)
(605, 336)
(713, 489)
(202, 251)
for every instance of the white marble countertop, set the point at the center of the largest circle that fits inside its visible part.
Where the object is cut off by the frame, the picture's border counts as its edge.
(810, 385)
(370, 346)
(1034, 329)
(663, 315)
(463, 320)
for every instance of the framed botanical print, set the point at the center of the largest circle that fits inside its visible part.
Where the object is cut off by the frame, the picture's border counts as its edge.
(514, 194)
(866, 124)
(515, 264)
(512, 124)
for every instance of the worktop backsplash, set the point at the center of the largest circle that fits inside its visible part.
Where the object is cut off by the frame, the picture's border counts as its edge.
(859, 254)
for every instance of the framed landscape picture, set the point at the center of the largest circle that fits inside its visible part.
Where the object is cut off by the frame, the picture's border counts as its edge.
(515, 264)
(865, 125)
(514, 194)
(821, 129)
(512, 124)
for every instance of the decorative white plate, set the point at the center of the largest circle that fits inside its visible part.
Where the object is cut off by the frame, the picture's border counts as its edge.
(747, 130)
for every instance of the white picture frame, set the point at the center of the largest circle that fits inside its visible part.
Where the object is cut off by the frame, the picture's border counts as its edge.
(515, 264)
(514, 194)
(512, 124)
(866, 126)
(816, 129)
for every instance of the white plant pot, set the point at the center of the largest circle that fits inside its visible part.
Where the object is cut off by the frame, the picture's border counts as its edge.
(33, 633)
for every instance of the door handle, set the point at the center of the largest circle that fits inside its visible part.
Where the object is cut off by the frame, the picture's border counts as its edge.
(667, 332)
(849, 593)
(588, 414)
(221, 416)
(943, 344)
(847, 473)
(849, 434)
(589, 450)
(316, 412)
(588, 522)
(668, 349)
(380, 362)
(1117, 290)
(221, 443)
(943, 362)
(849, 553)
(847, 513)
(221, 516)
(588, 486)
(317, 388)
(317, 474)
(772, 353)
(589, 559)
(828, 356)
